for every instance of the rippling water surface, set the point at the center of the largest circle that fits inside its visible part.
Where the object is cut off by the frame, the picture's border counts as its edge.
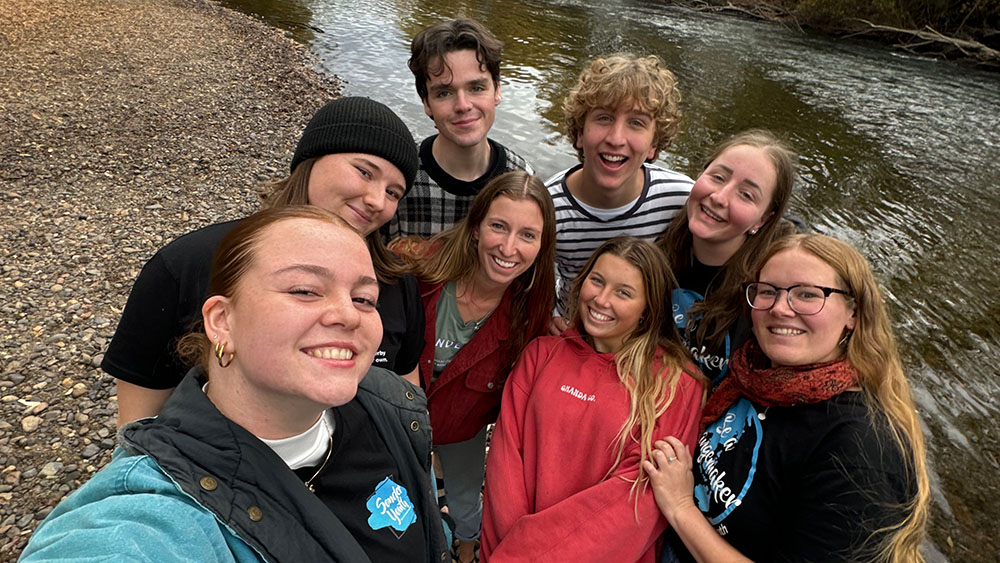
(900, 156)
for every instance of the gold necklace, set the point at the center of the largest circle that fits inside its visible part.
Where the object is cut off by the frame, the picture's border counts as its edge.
(329, 450)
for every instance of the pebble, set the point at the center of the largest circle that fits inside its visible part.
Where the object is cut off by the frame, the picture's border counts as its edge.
(51, 469)
(30, 423)
(90, 451)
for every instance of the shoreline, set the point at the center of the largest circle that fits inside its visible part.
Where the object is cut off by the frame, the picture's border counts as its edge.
(126, 124)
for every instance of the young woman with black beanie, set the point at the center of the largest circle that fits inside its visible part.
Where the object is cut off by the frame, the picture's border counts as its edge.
(357, 159)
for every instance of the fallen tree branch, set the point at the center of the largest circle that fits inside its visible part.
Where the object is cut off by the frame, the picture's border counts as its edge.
(756, 11)
(930, 35)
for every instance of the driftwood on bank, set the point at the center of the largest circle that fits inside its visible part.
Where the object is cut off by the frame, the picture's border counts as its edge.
(755, 10)
(923, 41)
(926, 42)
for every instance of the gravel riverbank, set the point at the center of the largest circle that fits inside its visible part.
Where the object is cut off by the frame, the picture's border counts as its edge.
(123, 124)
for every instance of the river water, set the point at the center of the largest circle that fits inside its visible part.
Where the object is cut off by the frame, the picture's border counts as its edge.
(900, 157)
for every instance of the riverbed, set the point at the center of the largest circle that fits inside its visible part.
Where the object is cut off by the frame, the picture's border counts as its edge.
(900, 157)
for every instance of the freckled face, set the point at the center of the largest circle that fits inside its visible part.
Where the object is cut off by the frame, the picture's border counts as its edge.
(362, 189)
(791, 339)
(612, 300)
(303, 321)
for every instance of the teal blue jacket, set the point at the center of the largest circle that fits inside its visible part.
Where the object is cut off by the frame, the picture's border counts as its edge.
(191, 485)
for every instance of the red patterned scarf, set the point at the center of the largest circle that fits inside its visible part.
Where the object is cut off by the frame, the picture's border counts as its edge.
(751, 376)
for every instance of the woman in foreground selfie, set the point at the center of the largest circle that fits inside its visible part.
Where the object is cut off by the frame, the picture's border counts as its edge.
(283, 444)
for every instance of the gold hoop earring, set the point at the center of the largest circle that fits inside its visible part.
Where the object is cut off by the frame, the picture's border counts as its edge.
(220, 351)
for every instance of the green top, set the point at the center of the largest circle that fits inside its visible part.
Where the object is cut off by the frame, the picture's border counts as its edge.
(450, 331)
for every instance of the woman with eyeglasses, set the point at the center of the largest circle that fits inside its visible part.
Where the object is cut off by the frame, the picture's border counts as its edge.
(812, 449)
(735, 211)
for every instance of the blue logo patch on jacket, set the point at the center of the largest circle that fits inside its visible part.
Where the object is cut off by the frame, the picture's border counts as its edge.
(390, 506)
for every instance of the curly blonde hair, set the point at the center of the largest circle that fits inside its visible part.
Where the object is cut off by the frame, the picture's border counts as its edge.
(612, 81)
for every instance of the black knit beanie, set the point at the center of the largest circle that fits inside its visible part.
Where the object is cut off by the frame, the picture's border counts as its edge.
(359, 125)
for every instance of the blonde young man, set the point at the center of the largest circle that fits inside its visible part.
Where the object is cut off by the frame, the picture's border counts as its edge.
(622, 112)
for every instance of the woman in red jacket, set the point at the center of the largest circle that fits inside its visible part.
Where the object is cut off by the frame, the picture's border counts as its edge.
(488, 288)
(580, 413)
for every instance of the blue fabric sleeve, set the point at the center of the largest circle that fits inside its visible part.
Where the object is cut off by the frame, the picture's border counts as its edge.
(131, 511)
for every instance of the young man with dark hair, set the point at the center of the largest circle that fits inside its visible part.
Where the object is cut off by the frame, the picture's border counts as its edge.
(456, 67)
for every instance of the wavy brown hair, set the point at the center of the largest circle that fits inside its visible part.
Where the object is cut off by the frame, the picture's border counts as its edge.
(294, 190)
(722, 306)
(615, 80)
(654, 338)
(871, 349)
(432, 43)
(451, 256)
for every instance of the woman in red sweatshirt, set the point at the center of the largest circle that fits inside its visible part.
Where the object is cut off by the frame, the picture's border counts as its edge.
(580, 413)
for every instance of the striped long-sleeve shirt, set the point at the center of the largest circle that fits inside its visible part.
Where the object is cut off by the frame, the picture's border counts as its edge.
(580, 229)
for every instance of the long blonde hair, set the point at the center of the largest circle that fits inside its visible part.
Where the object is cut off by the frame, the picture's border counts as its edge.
(871, 349)
(654, 338)
(722, 306)
(451, 256)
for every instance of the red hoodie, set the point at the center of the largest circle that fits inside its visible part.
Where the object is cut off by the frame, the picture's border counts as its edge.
(546, 495)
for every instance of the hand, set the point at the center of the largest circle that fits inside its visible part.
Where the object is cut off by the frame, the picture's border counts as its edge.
(558, 325)
(669, 470)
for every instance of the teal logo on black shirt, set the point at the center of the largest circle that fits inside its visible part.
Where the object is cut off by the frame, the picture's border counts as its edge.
(390, 506)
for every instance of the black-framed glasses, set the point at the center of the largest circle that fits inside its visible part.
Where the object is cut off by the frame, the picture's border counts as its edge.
(804, 299)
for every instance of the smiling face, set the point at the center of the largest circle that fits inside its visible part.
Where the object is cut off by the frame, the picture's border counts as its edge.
(508, 240)
(612, 299)
(730, 199)
(791, 339)
(615, 143)
(302, 320)
(462, 99)
(362, 189)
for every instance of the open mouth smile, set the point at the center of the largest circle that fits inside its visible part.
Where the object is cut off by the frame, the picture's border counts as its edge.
(711, 215)
(504, 263)
(613, 159)
(785, 331)
(331, 353)
(600, 317)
